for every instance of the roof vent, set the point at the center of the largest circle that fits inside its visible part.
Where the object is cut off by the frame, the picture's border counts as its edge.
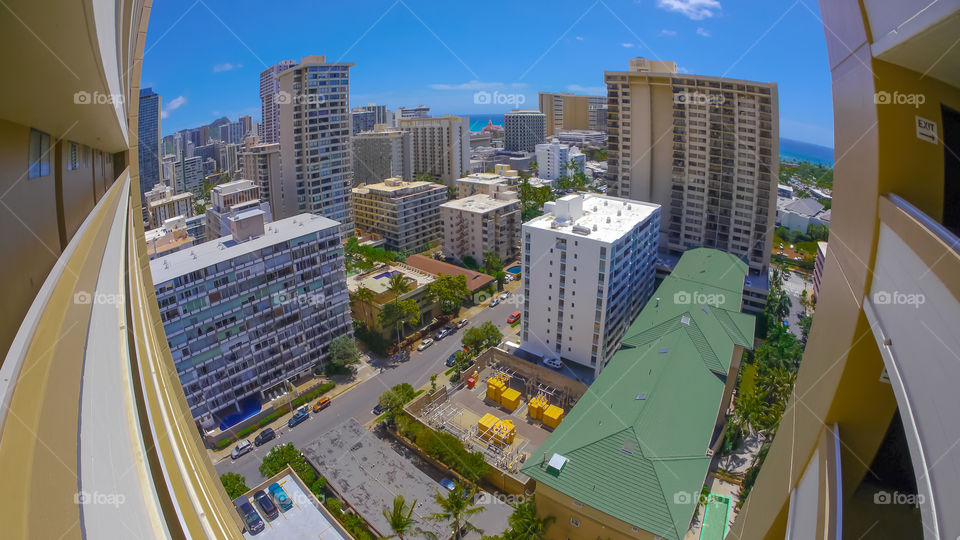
(685, 320)
(664, 350)
(629, 446)
(641, 396)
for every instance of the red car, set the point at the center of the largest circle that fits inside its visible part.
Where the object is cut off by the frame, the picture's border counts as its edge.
(514, 317)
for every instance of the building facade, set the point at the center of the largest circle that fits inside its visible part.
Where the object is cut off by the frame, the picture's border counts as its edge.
(229, 199)
(315, 137)
(248, 314)
(148, 136)
(555, 160)
(188, 176)
(261, 164)
(585, 248)
(382, 153)
(566, 111)
(162, 204)
(505, 179)
(406, 113)
(269, 105)
(704, 148)
(405, 214)
(523, 130)
(441, 146)
(362, 120)
(478, 224)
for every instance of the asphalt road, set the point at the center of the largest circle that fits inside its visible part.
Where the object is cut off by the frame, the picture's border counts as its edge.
(359, 401)
(793, 285)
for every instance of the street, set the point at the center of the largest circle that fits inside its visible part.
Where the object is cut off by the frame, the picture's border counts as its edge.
(359, 401)
(793, 285)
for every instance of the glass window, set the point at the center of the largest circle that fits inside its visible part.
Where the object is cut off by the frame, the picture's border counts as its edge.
(39, 154)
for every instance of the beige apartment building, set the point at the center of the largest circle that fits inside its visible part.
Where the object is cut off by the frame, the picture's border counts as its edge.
(566, 111)
(704, 148)
(382, 153)
(162, 204)
(405, 214)
(261, 164)
(441, 146)
(504, 179)
(479, 224)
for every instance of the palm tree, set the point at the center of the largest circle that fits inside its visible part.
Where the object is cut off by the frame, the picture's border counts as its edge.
(457, 507)
(365, 296)
(400, 517)
(398, 285)
(525, 523)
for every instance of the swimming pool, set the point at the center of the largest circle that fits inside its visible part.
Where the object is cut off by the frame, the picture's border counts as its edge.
(387, 274)
(515, 269)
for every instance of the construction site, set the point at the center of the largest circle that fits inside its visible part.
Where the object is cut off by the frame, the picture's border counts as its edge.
(503, 406)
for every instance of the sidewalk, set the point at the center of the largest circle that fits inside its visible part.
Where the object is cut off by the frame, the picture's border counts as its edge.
(366, 369)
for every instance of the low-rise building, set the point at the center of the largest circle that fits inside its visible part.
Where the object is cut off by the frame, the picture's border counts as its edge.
(479, 224)
(503, 179)
(554, 160)
(228, 199)
(170, 237)
(631, 457)
(799, 214)
(582, 137)
(252, 311)
(477, 282)
(377, 281)
(163, 204)
(588, 268)
(405, 214)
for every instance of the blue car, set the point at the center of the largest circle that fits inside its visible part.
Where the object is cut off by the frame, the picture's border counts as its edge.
(298, 417)
(280, 496)
(448, 483)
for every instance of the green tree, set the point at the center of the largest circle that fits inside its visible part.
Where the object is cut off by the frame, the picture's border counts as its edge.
(525, 524)
(456, 507)
(398, 285)
(449, 291)
(805, 323)
(818, 232)
(470, 262)
(351, 246)
(400, 517)
(482, 337)
(235, 484)
(343, 351)
(398, 314)
(492, 262)
(533, 168)
(393, 400)
(365, 297)
(286, 454)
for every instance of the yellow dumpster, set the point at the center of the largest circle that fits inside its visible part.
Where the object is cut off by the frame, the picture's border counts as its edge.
(552, 416)
(510, 399)
(494, 389)
(486, 425)
(536, 406)
(504, 432)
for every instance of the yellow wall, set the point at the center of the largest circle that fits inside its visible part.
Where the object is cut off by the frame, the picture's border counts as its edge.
(593, 523)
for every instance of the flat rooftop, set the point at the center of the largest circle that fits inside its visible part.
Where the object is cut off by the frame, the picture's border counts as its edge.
(306, 520)
(488, 178)
(378, 280)
(226, 248)
(604, 218)
(393, 185)
(480, 203)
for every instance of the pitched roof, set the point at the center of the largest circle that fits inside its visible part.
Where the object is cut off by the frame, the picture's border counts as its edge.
(475, 280)
(638, 437)
(805, 207)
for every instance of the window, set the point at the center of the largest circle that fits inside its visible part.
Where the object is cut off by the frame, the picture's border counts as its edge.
(575, 522)
(73, 159)
(39, 154)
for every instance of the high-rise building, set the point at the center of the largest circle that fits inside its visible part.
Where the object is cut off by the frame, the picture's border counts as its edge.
(555, 160)
(261, 164)
(405, 214)
(586, 247)
(229, 163)
(269, 90)
(704, 148)
(273, 335)
(478, 224)
(162, 204)
(406, 113)
(188, 176)
(382, 153)
(362, 120)
(523, 130)
(598, 116)
(867, 444)
(246, 126)
(382, 114)
(566, 111)
(229, 200)
(318, 153)
(441, 146)
(148, 141)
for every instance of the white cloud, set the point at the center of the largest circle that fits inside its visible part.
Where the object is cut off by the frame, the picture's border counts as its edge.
(696, 10)
(173, 105)
(226, 67)
(681, 69)
(472, 85)
(591, 90)
(519, 85)
(579, 38)
(627, 45)
(668, 33)
(703, 32)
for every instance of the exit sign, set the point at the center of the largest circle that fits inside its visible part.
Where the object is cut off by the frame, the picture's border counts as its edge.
(927, 130)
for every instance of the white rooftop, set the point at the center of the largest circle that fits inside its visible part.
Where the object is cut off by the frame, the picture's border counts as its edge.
(482, 203)
(591, 215)
(226, 248)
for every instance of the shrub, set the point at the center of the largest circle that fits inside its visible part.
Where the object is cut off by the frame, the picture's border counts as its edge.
(235, 484)
(318, 487)
(334, 506)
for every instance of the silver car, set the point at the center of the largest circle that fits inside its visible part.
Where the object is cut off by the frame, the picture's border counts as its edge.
(243, 447)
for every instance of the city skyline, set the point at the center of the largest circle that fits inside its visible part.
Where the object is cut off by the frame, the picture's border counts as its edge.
(772, 42)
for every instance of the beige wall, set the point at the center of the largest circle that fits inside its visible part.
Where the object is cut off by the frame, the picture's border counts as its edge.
(593, 523)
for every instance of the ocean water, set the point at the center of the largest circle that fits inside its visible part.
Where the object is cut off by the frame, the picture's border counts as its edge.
(790, 149)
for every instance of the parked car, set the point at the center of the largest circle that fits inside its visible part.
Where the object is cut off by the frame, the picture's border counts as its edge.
(514, 317)
(250, 516)
(424, 344)
(495, 302)
(442, 333)
(554, 363)
(298, 417)
(266, 504)
(243, 447)
(505, 295)
(321, 404)
(377, 410)
(280, 497)
(462, 322)
(451, 360)
(266, 435)
(448, 483)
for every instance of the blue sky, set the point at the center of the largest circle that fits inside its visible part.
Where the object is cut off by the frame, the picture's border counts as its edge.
(204, 56)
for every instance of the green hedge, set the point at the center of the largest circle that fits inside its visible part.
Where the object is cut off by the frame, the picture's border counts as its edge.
(444, 447)
(270, 418)
(311, 395)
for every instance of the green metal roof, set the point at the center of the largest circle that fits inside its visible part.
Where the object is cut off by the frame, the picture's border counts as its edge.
(636, 441)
